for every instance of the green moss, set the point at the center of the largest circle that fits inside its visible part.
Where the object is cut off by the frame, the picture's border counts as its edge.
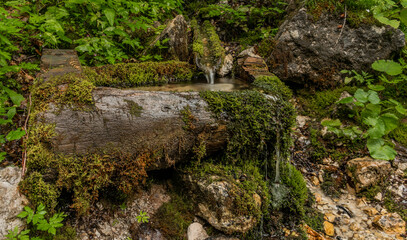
(174, 217)
(265, 47)
(247, 182)
(188, 118)
(400, 134)
(253, 123)
(298, 191)
(313, 217)
(371, 192)
(322, 104)
(207, 45)
(70, 89)
(272, 85)
(331, 186)
(39, 191)
(66, 233)
(395, 206)
(139, 74)
(134, 108)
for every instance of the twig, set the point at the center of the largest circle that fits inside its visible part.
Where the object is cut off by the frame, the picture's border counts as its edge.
(26, 137)
(343, 26)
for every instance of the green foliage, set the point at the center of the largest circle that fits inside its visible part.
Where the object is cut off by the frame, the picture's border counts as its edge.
(400, 134)
(38, 225)
(249, 19)
(252, 124)
(298, 191)
(272, 85)
(142, 217)
(102, 31)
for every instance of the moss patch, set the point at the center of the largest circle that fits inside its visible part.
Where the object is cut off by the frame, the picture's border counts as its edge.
(400, 134)
(174, 217)
(272, 85)
(255, 123)
(322, 104)
(134, 108)
(139, 74)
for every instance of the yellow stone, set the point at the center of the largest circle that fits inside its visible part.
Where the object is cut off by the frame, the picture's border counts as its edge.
(329, 228)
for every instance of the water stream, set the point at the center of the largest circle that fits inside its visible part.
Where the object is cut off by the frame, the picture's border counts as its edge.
(226, 84)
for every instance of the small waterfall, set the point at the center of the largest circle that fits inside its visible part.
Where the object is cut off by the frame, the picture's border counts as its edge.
(208, 70)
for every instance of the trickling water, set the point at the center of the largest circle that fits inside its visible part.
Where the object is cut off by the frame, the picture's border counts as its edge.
(208, 69)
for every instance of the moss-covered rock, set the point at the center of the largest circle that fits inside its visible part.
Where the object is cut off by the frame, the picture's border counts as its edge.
(272, 85)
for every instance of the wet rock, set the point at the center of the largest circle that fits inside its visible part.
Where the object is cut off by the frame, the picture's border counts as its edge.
(216, 204)
(251, 66)
(227, 66)
(312, 234)
(11, 201)
(390, 223)
(330, 217)
(176, 32)
(312, 52)
(196, 232)
(367, 172)
(329, 228)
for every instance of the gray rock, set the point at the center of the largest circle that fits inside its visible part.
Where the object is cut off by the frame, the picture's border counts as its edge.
(227, 66)
(196, 232)
(312, 52)
(11, 201)
(215, 204)
(177, 33)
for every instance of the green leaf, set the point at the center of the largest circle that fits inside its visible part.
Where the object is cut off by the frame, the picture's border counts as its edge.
(361, 95)
(11, 113)
(401, 110)
(2, 156)
(376, 87)
(331, 123)
(15, 97)
(403, 15)
(388, 66)
(23, 214)
(379, 150)
(390, 121)
(346, 100)
(15, 135)
(393, 23)
(378, 130)
(373, 97)
(110, 15)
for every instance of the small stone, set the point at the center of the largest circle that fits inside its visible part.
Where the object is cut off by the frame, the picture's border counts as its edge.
(318, 198)
(315, 180)
(329, 228)
(360, 202)
(321, 177)
(390, 223)
(379, 197)
(330, 217)
(354, 226)
(345, 221)
(402, 166)
(371, 211)
(196, 232)
(302, 120)
(257, 199)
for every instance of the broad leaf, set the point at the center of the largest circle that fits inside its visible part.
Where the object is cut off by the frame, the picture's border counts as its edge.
(331, 123)
(390, 121)
(388, 66)
(379, 150)
(361, 95)
(376, 87)
(15, 135)
(378, 130)
(110, 15)
(393, 23)
(346, 100)
(373, 97)
(403, 15)
(15, 97)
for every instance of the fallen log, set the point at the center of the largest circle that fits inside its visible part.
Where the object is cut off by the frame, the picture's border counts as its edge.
(134, 121)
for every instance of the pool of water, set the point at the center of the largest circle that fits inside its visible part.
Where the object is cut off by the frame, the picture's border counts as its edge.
(221, 84)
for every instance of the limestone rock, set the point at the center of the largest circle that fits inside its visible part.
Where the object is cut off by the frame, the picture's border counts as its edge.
(227, 66)
(371, 211)
(312, 52)
(11, 201)
(367, 172)
(329, 228)
(216, 204)
(390, 223)
(250, 65)
(196, 232)
(177, 33)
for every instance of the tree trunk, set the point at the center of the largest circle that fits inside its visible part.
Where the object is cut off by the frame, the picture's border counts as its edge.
(131, 121)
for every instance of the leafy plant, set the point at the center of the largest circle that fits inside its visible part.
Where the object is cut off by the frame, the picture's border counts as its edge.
(36, 220)
(142, 217)
(378, 117)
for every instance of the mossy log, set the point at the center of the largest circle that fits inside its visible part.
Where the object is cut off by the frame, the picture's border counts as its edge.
(168, 124)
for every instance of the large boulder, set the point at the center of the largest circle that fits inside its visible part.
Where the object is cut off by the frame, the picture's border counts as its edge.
(176, 32)
(11, 201)
(217, 198)
(366, 172)
(251, 66)
(310, 52)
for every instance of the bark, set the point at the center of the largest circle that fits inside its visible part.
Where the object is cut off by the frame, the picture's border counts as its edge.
(134, 121)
